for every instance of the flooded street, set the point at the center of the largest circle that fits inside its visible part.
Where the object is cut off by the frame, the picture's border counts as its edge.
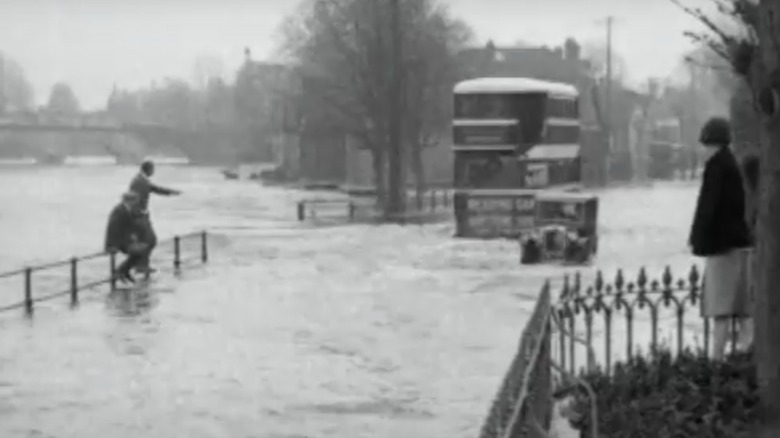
(289, 331)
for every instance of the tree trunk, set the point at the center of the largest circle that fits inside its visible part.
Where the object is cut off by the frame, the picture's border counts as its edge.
(378, 163)
(767, 304)
(396, 184)
(767, 300)
(416, 161)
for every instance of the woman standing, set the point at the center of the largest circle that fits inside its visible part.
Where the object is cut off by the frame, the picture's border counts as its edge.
(720, 234)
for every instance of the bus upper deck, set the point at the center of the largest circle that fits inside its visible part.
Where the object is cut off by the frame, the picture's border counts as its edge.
(511, 133)
(508, 113)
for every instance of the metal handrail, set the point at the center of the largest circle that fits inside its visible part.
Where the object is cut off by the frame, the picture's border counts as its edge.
(535, 355)
(76, 287)
(433, 200)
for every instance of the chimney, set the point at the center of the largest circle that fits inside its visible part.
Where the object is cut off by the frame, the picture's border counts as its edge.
(571, 50)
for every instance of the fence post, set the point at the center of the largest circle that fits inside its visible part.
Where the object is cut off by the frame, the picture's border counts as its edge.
(351, 211)
(112, 268)
(74, 282)
(28, 301)
(433, 200)
(301, 211)
(177, 253)
(204, 247)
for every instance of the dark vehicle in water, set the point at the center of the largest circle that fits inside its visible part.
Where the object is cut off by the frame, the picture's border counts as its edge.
(565, 229)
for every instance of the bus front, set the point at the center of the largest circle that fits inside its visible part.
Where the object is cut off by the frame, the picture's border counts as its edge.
(495, 122)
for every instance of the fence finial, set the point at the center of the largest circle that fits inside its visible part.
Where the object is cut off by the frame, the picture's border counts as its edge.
(667, 278)
(619, 281)
(577, 282)
(693, 276)
(598, 284)
(641, 280)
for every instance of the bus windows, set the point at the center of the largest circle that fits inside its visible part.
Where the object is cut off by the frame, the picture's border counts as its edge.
(484, 106)
(487, 171)
(562, 109)
(562, 134)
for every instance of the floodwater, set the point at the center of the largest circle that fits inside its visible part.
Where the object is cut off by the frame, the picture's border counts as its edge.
(289, 331)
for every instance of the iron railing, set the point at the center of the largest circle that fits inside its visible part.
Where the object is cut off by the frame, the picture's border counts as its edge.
(645, 313)
(582, 325)
(326, 210)
(523, 405)
(79, 279)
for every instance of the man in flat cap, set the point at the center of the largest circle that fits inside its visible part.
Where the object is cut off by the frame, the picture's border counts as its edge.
(144, 187)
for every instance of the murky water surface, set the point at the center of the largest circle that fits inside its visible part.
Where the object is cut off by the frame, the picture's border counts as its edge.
(356, 331)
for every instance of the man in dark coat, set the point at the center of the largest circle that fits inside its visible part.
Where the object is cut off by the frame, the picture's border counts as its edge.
(122, 236)
(144, 187)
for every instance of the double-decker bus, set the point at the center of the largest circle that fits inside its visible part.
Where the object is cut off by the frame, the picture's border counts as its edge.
(511, 137)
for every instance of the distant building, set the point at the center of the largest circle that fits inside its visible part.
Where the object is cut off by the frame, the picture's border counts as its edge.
(263, 102)
(560, 64)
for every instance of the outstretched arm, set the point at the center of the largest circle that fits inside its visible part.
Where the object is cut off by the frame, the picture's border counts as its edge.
(160, 190)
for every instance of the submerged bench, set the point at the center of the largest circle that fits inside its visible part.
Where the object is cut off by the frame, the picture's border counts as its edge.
(430, 206)
(92, 271)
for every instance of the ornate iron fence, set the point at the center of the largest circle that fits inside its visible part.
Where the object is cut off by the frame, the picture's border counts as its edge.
(583, 324)
(643, 312)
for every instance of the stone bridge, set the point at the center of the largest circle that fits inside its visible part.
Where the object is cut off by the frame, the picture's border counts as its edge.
(129, 143)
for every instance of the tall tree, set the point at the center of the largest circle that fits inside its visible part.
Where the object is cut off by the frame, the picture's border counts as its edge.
(16, 93)
(62, 100)
(350, 54)
(595, 52)
(754, 54)
(205, 68)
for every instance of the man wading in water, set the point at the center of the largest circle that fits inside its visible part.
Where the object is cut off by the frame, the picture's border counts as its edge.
(143, 186)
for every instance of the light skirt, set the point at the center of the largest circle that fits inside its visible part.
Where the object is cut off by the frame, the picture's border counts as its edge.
(725, 289)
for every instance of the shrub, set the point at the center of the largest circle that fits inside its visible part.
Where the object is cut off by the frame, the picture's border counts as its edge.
(668, 395)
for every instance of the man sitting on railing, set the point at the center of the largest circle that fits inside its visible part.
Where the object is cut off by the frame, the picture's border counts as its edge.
(144, 187)
(122, 236)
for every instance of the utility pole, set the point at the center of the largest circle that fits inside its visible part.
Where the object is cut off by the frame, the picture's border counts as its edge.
(693, 123)
(608, 103)
(396, 184)
(2, 85)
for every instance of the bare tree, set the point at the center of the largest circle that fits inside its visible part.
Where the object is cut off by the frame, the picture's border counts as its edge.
(346, 55)
(751, 48)
(62, 100)
(595, 52)
(205, 68)
(16, 93)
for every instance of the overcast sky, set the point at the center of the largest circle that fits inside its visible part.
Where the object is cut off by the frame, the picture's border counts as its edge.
(94, 44)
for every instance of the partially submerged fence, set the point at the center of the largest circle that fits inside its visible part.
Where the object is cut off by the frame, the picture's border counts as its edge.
(581, 330)
(70, 277)
(523, 404)
(432, 204)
